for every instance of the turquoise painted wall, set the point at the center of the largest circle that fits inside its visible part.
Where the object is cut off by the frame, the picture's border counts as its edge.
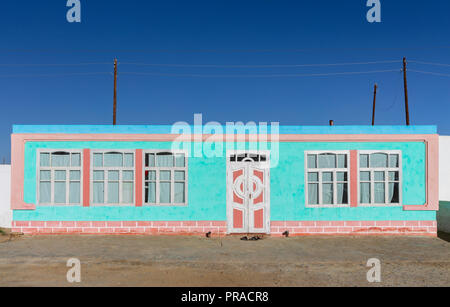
(207, 187)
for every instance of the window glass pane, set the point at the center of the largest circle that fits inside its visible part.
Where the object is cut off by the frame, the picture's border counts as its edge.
(150, 192)
(60, 159)
(128, 175)
(327, 176)
(179, 160)
(113, 175)
(112, 159)
(150, 160)
(59, 193)
(98, 160)
(378, 160)
(312, 161)
(378, 176)
(44, 175)
(127, 192)
(44, 192)
(99, 192)
(74, 192)
(364, 161)
(75, 175)
(341, 176)
(342, 161)
(327, 193)
(99, 175)
(393, 176)
(164, 159)
(128, 160)
(179, 192)
(394, 193)
(164, 175)
(44, 159)
(379, 193)
(150, 175)
(364, 193)
(313, 177)
(327, 161)
(179, 175)
(76, 159)
(313, 193)
(342, 194)
(164, 192)
(364, 176)
(60, 175)
(393, 160)
(113, 192)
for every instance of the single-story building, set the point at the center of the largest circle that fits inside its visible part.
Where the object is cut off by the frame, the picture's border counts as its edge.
(192, 180)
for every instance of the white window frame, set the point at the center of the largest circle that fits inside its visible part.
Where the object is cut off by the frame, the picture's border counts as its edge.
(105, 178)
(320, 171)
(386, 171)
(52, 169)
(172, 170)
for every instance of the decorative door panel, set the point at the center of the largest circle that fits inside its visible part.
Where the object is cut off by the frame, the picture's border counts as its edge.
(248, 194)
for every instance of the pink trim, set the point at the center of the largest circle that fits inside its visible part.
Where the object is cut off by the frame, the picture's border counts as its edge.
(86, 177)
(432, 174)
(353, 178)
(138, 177)
(18, 146)
(238, 221)
(259, 218)
(121, 227)
(295, 228)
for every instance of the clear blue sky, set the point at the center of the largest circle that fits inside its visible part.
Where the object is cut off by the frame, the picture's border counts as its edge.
(221, 33)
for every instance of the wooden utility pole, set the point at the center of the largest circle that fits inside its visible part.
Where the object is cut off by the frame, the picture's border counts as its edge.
(406, 92)
(374, 100)
(115, 92)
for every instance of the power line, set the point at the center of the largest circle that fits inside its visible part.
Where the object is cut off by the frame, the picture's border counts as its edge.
(430, 73)
(258, 75)
(429, 63)
(55, 75)
(224, 50)
(257, 66)
(54, 64)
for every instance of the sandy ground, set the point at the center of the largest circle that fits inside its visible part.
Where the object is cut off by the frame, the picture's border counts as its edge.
(198, 261)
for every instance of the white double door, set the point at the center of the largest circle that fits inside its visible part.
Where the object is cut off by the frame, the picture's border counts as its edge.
(248, 195)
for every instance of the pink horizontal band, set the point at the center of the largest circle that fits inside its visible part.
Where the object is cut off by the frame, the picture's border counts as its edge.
(295, 228)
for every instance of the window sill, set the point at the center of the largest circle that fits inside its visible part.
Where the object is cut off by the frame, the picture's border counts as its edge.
(164, 205)
(327, 206)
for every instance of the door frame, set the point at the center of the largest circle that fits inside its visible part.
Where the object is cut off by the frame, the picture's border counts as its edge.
(264, 165)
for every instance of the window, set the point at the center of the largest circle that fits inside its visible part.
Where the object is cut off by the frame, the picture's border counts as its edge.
(327, 178)
(165, 178)
(112, 177)
(59, 177)
(379, 178)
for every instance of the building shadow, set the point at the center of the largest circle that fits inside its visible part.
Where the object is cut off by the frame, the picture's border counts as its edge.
(444, 236)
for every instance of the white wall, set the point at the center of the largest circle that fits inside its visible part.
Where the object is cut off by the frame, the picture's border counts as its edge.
(444, 168)
(443, 215)
(5, 199)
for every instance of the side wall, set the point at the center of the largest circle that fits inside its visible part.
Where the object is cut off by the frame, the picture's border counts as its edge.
(443, 215)
(5, 196)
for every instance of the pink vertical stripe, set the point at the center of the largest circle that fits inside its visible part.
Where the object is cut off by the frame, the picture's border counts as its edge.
(138, 177)
(353, 178)
(86, 176)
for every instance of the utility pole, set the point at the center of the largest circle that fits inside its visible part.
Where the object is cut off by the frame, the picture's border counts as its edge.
(374, 100)
(406, 92)
(115, 92)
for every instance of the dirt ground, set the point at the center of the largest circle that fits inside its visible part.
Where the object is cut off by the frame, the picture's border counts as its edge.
(228, 261)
